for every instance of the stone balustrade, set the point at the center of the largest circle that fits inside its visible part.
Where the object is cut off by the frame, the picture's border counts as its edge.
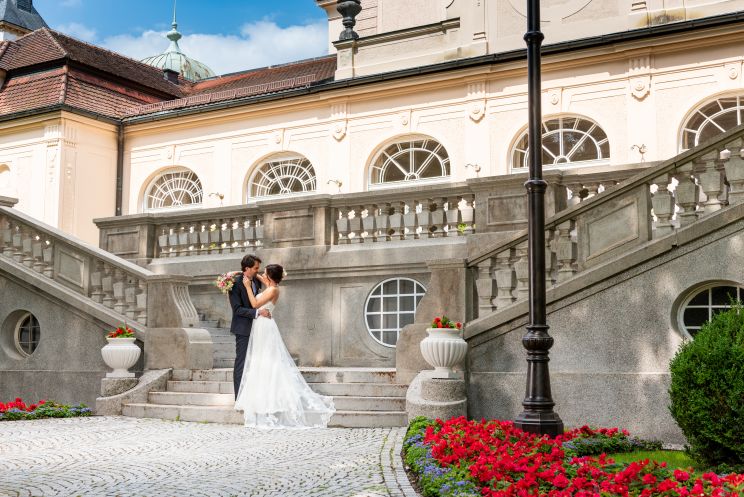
(415, 212)
(600, 226)
(139, 297)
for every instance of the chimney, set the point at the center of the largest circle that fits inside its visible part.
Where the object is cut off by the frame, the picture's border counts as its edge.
(171, 75)
(27, 5)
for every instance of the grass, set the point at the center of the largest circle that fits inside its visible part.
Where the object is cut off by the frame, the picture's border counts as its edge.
(673, 458)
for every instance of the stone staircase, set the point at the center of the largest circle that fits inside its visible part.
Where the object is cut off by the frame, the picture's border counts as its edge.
(364, 397)
(223, 343)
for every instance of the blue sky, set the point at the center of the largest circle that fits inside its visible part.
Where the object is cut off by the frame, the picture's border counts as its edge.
(227, 35)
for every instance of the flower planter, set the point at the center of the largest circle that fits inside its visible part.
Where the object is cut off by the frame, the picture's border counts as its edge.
(444, 348)
(120, 354)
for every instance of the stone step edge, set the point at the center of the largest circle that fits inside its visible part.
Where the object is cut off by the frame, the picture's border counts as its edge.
(227, 408)
(345, 397)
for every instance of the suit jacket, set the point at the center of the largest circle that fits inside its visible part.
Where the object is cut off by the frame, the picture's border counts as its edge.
(243, 311)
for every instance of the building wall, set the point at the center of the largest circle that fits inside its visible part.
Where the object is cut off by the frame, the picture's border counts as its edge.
(62, 169)
(638, 96)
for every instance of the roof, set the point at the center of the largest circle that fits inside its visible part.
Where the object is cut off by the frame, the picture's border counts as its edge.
(46, 46)
(24, 16)
(263, 81)
(62, 86)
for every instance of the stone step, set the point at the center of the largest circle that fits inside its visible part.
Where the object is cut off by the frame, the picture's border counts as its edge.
(224, 414)
(333, 389)
(312, 375)
(342, 403)
(223, 362)
(223, 349)
(219, 332)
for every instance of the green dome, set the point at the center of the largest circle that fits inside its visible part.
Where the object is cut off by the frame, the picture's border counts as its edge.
(174, 59)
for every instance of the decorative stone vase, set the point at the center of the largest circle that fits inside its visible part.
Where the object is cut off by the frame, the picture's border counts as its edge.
(120, 354)
(444, 348)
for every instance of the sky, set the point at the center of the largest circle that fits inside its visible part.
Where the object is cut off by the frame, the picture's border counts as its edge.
(227, 35)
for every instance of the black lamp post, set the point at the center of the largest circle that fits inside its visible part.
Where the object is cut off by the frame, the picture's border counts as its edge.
(538, 415)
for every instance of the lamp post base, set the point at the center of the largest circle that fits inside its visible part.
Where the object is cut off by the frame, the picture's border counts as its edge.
(542, 423)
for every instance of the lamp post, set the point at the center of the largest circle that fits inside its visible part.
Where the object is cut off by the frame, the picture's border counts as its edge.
(538, 415)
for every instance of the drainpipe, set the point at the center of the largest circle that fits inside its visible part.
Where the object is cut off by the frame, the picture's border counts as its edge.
(119, 168)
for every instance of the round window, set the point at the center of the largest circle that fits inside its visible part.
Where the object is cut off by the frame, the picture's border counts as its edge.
(391, 306)
(27, 334)
(704, 303)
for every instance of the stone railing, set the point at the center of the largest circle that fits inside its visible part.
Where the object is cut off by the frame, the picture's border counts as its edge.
(434, 212)
(650, 204)
(138, 296)
(420, 212)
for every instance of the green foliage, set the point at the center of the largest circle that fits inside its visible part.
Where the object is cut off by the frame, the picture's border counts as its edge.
(608, 444)
(707, 390)
(673, 458)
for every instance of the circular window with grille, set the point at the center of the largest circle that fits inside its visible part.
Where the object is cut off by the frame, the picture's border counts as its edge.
(282, 177)
(705, 302)
(413, 160)
(568, 140)
(391, 306)
(174, 189)
(27, 335)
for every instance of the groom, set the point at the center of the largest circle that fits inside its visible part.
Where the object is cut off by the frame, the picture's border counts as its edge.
(243, 312)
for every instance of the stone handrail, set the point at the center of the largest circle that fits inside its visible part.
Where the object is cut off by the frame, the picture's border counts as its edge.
(139, 297)
(650, 204)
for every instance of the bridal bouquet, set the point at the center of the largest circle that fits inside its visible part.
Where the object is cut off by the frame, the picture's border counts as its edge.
(225, 281)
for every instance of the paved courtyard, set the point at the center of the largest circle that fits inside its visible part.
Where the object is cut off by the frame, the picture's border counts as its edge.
(119, 456)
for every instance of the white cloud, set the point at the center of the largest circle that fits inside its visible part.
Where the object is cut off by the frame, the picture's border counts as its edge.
(77, 30)
(260, 44)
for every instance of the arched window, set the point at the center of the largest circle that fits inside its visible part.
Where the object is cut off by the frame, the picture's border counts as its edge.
(174, 189)
(703, 303)
(391, 306)
(567, 140)
(282, 176)
(416, 159)
(711, 119)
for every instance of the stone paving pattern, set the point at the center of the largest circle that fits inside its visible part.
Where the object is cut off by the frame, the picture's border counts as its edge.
(120, 456)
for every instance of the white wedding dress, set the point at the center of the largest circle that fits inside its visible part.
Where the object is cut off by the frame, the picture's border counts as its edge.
(273, 393)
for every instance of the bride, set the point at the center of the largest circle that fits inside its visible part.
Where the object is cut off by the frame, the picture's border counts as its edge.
(273, 393)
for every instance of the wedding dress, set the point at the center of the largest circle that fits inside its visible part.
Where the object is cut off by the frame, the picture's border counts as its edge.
(273, 393)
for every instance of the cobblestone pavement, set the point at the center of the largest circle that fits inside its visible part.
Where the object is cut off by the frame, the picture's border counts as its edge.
(119, 456)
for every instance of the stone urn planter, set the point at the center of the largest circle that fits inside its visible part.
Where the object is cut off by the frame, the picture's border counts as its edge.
(120, 354)
(444, 348)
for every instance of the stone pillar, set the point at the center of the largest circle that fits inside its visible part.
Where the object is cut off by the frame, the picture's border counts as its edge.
(436, 397)
(448, 294)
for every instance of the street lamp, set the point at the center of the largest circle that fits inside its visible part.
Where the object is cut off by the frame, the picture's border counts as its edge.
(538, 415)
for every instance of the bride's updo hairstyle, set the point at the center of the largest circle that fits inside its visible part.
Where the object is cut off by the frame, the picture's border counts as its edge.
(275, 272)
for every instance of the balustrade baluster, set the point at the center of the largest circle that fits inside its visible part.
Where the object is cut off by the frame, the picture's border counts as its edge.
(173, 241)
(565, 249)
(118, 288)
(18, 243)
(37, 250)
(96, 282)
(183, 240)
(382, 222)
(47, 254)
(29, 237)
(6, 236)
(130, 297)
(107, 287)
(425, 217)
(368, 222)
(663, 204)
(505, 278)
(687, 195)
(410, 220)
(397, 224)
(259, 230)
(486, 286)
(237, 235)
(735, 172)
(141, 311)
(592, 190)
(550, 259)
(437, 218)
(453, 218)
(710, 179)
(355, 225)
(342, 225)
(467, 214)
(193, 237)
(202, 231)
(521, 267)
(576, 193)
(162, 245)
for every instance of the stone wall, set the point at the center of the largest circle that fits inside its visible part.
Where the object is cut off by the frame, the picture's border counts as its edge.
(615, 328)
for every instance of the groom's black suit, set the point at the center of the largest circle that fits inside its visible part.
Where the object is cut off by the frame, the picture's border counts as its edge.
(243, 315)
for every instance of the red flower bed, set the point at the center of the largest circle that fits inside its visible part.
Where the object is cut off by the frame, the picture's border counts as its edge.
(20, 405)
(506, 462)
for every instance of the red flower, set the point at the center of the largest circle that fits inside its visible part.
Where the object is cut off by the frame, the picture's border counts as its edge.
(680, 475)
